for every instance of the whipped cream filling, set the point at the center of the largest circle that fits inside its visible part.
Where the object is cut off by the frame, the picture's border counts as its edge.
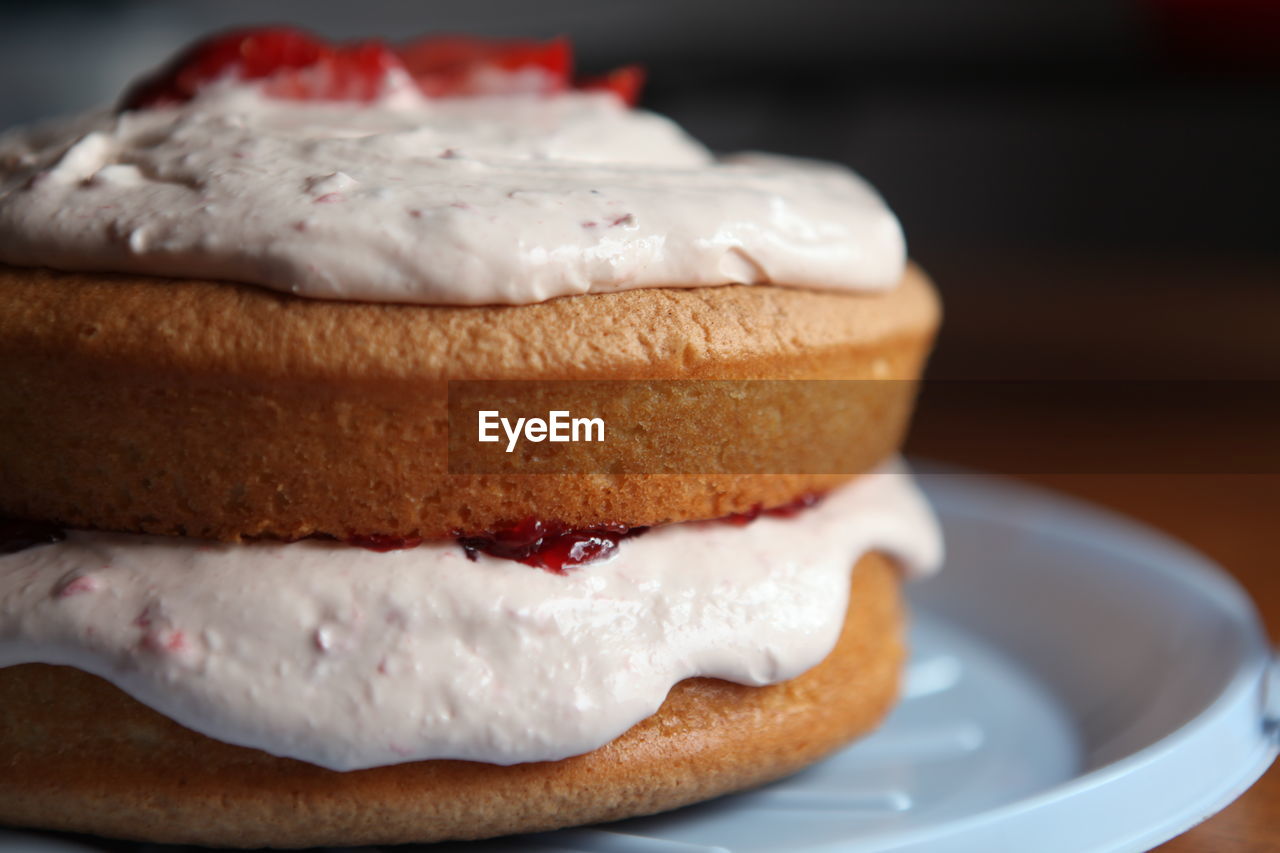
(348, 658)
(462, 201)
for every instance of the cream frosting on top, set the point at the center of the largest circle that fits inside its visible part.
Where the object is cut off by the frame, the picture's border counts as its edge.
(465, 201)
(348, 658)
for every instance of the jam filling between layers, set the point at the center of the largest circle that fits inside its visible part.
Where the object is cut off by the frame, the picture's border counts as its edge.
(348, 658)
(550, 545)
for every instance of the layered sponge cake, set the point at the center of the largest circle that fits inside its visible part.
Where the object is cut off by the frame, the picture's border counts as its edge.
(258, 589)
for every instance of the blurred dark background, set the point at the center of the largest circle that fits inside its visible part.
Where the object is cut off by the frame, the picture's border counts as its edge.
(1094, 184)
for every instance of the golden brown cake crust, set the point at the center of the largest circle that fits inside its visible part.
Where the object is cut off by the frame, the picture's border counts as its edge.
(77, 754)
(227, 411)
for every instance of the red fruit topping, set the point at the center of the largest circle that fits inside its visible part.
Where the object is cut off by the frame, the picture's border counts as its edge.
(295, 64)
(300, 66)
(625, 82)
(351, 72)
(447, 66)
(16, 534)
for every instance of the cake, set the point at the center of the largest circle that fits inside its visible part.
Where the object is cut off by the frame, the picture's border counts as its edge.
(262, 590)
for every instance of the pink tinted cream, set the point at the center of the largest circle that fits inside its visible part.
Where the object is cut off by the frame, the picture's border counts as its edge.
(460, 201)
(349, 658)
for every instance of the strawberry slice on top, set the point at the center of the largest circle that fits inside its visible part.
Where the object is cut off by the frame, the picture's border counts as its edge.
(625, 82)
(445, 66)
(296, 65)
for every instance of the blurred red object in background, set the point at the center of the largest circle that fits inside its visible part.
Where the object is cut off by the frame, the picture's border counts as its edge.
(1217, 35)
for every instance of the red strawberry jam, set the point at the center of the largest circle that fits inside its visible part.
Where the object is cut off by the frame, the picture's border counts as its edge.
(296, 65)
(549, 545)
(556, 547)
(383, 542)
(786, 510)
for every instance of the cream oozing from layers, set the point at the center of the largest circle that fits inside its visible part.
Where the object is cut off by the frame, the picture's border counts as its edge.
(348, 658)
(466, 201)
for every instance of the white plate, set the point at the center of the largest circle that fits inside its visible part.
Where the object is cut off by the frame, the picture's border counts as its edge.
(1078, 683)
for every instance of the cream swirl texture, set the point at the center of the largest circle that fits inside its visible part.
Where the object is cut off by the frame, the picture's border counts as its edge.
(462, 201)
(348, 658)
